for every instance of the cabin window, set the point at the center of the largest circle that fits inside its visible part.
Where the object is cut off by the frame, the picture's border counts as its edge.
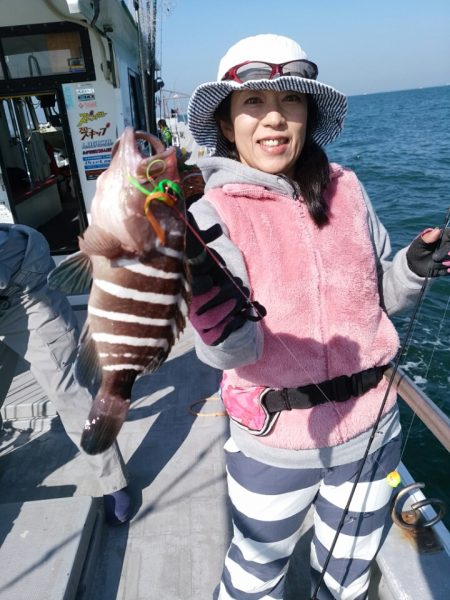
(43, 54)
(57, 51)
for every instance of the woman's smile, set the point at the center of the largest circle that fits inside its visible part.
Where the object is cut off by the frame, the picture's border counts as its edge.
(272, 143)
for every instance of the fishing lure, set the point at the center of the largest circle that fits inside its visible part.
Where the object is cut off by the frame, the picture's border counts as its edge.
(165, 191)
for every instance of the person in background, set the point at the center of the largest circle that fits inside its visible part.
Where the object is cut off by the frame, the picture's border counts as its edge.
(38, 324)
(165, 133)
(293, 302)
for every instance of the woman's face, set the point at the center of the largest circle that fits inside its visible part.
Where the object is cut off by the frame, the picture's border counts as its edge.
(268, 129)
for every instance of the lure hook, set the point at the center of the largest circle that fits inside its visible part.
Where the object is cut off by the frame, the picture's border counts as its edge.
(165, 191)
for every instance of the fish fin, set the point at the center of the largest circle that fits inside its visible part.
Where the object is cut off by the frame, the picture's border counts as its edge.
(73, 275)
(156, 361)
(98, 241)
(106, 417)
(88, 370)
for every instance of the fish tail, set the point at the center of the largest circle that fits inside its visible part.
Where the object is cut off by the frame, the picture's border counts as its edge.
(106, 417)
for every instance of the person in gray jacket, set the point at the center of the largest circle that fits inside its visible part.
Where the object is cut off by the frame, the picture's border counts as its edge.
(38, 324)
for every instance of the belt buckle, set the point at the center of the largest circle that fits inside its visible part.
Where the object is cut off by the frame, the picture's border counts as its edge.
(341, 388)
(285, 396)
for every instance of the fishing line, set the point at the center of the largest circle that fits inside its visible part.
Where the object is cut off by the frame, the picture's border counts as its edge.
(428, 366)
(258, 313)
(333, 404)
(363, 460)
(196, 413)
(378, 419)
(445, 225)
(169, 188)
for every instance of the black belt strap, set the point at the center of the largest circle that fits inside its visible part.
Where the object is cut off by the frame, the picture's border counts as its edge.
(338, 389)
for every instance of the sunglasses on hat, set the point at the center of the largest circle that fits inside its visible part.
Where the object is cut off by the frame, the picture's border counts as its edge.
(252, 69)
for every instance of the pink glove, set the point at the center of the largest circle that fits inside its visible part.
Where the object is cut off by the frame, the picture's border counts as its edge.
(222, 309)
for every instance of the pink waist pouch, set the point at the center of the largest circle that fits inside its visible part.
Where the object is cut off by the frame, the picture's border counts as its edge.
(246, 407)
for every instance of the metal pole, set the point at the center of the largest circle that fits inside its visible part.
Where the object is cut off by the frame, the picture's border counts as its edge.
(142, 61)
(152, 69)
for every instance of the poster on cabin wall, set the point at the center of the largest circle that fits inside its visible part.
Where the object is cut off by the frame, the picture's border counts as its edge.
(91, 120)
(94, 129)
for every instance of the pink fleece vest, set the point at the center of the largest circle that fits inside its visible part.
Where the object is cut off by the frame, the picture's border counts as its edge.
(320, 289)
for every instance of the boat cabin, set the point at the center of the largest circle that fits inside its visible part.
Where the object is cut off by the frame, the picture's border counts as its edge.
(70, 81)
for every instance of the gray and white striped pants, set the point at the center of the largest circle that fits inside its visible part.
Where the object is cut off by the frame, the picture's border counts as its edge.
(269, 505)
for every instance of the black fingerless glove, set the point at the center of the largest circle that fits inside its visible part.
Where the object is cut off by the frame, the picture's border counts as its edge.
(192, 183)
(220, 303)
(202, 265)
(430, 259)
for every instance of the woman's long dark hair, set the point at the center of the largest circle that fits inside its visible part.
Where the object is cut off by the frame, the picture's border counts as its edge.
(312, 171)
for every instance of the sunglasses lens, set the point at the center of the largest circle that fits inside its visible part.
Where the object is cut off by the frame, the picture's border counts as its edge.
(300, 68)
(254, 70)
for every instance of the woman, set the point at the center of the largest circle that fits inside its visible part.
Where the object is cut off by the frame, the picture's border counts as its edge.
(302, 384)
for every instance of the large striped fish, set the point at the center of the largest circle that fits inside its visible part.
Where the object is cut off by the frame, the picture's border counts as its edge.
(139, 296)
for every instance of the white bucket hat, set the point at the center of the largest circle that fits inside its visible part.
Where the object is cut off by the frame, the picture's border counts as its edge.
(276, 49)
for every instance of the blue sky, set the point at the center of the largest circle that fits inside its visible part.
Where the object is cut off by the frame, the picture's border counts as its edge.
(360, 46)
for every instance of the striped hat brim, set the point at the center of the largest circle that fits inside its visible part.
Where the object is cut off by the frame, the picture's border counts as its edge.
(331, 105)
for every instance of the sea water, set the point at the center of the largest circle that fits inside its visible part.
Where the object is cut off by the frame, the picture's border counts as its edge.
(398, 143)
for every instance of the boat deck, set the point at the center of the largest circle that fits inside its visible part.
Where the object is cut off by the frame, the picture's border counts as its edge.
(54, 543)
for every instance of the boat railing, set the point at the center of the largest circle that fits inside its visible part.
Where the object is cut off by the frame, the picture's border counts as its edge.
(438, 423)
(414, 559)
(427, 411)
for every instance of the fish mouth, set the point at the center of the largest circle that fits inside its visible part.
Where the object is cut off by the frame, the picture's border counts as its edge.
(142, 172)
(130, 139)
(155, 143)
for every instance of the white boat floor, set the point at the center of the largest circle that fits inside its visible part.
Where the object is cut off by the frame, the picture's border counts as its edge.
(54, 544)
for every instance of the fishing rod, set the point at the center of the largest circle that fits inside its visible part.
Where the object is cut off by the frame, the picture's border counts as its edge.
(380, 413)
(169, 189)
(383, 403)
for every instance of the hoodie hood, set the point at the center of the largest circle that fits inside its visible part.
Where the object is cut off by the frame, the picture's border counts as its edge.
(218, 171)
